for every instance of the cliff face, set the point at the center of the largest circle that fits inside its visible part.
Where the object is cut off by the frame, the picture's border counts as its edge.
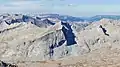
(30, 42)
(53, 45)
(46, 45)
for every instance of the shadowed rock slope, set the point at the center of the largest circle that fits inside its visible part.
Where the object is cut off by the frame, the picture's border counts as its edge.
(43, 40)
(29, 42)
(93, 47)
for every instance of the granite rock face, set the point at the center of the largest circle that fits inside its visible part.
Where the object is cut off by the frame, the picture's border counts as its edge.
(45, 40)
(53, 43)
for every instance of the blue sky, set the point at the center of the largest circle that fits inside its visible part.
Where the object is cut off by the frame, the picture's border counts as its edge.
(66, 7)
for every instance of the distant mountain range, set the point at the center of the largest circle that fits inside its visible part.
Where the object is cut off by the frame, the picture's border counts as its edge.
(66, 18)
(81, 19)
(99, 17)
(62, 17)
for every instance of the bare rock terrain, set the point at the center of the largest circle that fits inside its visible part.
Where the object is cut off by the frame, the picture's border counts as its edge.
(31, 42)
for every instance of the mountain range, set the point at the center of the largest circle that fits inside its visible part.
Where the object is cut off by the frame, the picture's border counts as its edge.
(51, 40)
(79, 19)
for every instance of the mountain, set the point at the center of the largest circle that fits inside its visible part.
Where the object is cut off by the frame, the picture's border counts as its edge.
(32, 41)
(12, 18)
(79, 19)
(19, 18)
(62, 17)
(99, 17)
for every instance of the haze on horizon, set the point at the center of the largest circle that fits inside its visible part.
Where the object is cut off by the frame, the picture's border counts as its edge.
(65, 7)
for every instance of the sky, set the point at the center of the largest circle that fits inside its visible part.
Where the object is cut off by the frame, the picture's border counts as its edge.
(64, 7)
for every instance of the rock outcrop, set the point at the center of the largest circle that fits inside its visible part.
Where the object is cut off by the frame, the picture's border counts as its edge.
(3, 64)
